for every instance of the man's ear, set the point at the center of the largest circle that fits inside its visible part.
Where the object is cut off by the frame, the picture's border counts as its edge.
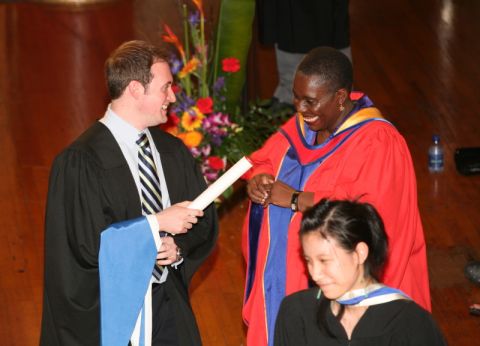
(135, 89)
(362, 252)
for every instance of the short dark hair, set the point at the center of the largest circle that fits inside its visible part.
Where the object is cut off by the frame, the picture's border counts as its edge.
(330, 65)
(131, 61)
(349, 223)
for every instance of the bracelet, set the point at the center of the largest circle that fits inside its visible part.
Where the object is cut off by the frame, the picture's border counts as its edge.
(294, 201)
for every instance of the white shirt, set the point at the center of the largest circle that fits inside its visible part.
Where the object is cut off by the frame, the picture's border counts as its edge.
(126, 136)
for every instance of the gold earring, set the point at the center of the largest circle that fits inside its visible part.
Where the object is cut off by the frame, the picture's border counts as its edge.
(341, 108)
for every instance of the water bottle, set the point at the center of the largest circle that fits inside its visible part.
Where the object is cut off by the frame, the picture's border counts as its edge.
(435, 155)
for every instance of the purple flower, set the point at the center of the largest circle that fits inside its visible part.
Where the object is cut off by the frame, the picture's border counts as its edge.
(176, 65)
(211, 176)
(195, 152)
(194, 18)
(219, 84)
(216, 140)
(206, 150)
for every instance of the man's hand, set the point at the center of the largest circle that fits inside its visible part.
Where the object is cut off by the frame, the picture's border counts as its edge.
(259, 187)
(167, 254)
(178, 218)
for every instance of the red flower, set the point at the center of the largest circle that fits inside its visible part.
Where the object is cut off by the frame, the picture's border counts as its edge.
(216, 163)
(176, 88)
(205, 105)
(170, 37)
(230, 65)
(172, 122)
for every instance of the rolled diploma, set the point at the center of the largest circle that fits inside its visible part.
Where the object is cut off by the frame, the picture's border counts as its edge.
(221, 184)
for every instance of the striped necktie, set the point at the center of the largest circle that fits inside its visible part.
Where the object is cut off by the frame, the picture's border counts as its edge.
(149, 182)
(149, 185)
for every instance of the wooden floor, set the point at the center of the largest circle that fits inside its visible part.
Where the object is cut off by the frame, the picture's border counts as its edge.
(418, 60)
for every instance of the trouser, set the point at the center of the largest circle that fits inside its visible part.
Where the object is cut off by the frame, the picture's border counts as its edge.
(164, 331)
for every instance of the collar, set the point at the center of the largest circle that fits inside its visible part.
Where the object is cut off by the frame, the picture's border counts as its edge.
(373, 294)
(120, 128)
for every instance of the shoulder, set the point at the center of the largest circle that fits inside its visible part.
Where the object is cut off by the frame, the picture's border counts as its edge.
(88, 145)
(380, 135)
(410, 320)
(164, 141)
(412, 311)
(299, 300)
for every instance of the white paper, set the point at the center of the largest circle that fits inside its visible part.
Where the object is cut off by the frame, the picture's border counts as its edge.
(221, 184)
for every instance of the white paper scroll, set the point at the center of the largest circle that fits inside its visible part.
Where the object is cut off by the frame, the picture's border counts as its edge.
(221, 184)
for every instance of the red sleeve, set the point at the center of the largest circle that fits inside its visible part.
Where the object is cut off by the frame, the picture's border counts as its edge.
(266, 159)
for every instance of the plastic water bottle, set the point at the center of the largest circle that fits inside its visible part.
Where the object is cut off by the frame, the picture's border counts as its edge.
(435, 155)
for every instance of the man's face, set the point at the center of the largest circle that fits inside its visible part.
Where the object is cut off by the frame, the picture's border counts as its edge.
(157, 95)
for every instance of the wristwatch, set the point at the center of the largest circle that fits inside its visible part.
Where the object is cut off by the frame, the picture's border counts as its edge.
(294, 201)
(179, 254)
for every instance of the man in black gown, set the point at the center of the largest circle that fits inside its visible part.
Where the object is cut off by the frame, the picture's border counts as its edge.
(95, 185)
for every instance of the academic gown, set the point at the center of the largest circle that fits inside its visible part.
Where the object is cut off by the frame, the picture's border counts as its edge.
(90, 188)
(396, 323)
(369, 160)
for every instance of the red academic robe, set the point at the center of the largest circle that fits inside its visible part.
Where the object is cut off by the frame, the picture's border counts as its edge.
(369, 159)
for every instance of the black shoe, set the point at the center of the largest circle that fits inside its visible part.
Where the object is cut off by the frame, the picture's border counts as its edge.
(472, 272)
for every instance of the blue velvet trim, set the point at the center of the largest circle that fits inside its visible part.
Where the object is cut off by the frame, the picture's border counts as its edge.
(254, 225)
(126, 259)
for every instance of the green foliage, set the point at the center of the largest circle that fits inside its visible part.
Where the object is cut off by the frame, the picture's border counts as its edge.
(234, 34)
(255, 126)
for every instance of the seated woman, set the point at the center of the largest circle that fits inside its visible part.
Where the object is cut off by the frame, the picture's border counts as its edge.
(345, 248)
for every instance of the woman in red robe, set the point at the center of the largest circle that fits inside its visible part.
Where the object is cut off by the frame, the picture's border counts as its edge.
(334, 147)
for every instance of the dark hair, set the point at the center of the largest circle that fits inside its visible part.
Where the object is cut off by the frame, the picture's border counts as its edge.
(349, 223)
(330, 65)
(131, 61)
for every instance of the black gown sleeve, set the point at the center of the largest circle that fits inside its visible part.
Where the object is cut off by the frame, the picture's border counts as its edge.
(422, 328)
(73, 224)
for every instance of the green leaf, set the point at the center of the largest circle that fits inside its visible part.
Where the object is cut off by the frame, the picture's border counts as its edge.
(234, 33)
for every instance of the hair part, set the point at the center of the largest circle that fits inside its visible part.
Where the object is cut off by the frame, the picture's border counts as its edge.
(132, 61)
(332, 67)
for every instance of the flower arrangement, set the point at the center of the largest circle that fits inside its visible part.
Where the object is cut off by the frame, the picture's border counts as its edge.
(200, 117)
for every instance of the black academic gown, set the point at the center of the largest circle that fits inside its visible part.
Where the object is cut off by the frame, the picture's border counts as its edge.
(90, 188)
(300, 25)
(396, 323)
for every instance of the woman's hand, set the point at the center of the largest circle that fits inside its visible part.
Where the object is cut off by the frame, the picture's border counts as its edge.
(258, 188)
(281, 194)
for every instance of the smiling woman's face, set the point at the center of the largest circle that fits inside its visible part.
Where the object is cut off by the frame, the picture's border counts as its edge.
(318, 105)
(334, 269)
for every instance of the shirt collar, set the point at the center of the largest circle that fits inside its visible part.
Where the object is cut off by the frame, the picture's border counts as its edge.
(120, 128)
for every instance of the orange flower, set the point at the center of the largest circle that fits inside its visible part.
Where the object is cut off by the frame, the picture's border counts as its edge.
(191, 122)
(199, 5)
(205, 105)
(170, 37)
(189, 67)
(230, 65)
(173, 130)
(191, 139)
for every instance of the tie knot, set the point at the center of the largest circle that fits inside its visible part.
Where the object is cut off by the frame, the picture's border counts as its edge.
(142, 141)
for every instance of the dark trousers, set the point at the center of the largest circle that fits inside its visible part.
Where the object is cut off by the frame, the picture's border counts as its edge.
(164, 330)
